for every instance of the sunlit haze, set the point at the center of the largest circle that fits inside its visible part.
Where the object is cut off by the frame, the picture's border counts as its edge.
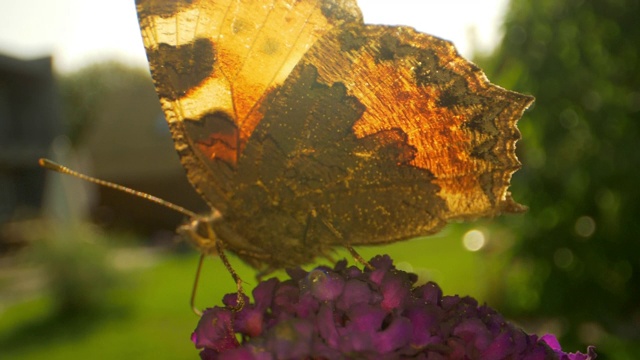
(78, 32)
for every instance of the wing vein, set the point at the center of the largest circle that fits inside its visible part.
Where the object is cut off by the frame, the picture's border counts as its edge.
(266, 20)
(284, 61)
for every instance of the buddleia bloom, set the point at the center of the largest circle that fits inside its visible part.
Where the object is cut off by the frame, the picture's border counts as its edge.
(346, 312)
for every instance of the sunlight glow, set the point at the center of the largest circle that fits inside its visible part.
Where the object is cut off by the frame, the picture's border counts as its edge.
(473, 240)
(79, 32)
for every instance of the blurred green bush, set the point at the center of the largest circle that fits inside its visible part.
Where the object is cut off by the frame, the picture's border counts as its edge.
(577, 261)
(78, 273)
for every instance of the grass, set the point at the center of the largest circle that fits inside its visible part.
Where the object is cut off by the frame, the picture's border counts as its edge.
(149, 316)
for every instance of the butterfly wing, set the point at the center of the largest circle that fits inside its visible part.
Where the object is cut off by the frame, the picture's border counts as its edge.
(380, 134)
(455, 124)
(309, 129)
(213, 61)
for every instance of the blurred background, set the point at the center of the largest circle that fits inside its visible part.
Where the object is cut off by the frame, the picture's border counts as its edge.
(90, 272)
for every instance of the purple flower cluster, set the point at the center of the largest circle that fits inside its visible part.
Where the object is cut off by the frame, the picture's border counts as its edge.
(346, 312)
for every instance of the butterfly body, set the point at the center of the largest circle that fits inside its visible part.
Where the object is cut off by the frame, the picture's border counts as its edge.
(305, 129)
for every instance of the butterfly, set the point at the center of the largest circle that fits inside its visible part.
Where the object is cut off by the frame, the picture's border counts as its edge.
(304, 128)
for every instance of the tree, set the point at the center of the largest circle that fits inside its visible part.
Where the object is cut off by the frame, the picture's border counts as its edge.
(578, 259)
(88, 90)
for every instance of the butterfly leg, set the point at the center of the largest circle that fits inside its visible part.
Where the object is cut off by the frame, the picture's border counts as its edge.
(234, 275)
(240, 292)
(356, 256)
(195, 286)
(200, 233)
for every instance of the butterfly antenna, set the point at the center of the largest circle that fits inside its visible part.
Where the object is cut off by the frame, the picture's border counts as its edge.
(48, 164)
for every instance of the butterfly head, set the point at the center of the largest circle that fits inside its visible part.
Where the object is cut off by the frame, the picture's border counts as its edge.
(198, 230)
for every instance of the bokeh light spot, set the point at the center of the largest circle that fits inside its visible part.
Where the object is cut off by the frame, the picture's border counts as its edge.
(585, 226)
(473, 240)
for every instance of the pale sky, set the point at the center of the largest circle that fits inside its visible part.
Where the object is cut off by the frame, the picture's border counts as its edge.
(78, 32)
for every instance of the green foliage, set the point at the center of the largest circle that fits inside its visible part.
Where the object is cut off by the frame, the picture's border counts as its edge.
(578, 259)
(151, 320)
(86, 92)
(77, 270)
